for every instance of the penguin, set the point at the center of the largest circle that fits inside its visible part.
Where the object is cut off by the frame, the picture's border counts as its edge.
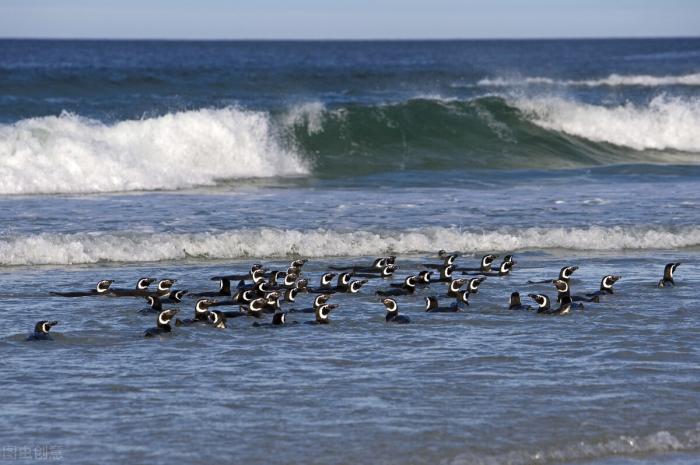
(424, 278)
(141, 289)
(162, 323)
(217, 319)
(326, 282)
(485, 266)
(606, 285)
(176, 296)
(224, 289)
(377, 264)
(474, 283)
(319, 301)
(463, 298)
(385, 272)
(432, 306)
(355, 286)
(408, 287)
(321, 315)
(447, 260)
(667, 279)
(102, 288)
(454, 287)
(154, 305)
(505, 268)
(343, 284)
(164, 287)
(564, 275)
(41, 331)
(445, 274)
(201, 313)
(564, 307)
(290, 295)
(253, 309)
(515, 304)
(563, 289)
(392, 312)
(278, 319)
(542, 302)
(256, 269)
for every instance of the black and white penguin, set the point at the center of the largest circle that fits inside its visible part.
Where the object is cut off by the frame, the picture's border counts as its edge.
(454, 287)
(565, 307)
(445, 274)
(432, 306)
(278, 319)
(515, 304)
(326, 282)
(447, 260)
(321, 315)
(377, 264)
(162, 323)
(201, 313)
(141, 289)
(385, 272)
(176, 296)
(667, 279)
(224, 289)
(407, 287)
(164, 287)
(424, 278)
(484, 266)
(606, 285)
(155, 305)
(392, 312)
(564, 275)
(217, 319)
(41, 331)
(474, 283)
(102, 288)
(563, 290)
(319, 301)
(542, 301)
(355, 286)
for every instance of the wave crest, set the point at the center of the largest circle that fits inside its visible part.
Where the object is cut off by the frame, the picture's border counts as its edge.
(72, 154)
(614, 80)
(81, 248)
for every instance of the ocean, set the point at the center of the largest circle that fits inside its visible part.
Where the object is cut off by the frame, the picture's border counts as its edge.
(188, 160)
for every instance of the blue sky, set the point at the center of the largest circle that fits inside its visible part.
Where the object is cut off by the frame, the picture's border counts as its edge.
(358, 19)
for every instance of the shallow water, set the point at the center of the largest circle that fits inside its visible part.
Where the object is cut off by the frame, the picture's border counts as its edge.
(189, 160)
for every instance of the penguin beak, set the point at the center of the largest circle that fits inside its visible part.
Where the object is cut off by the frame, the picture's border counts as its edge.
(52, 323)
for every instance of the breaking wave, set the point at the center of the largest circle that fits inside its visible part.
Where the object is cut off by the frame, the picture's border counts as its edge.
(613, 80)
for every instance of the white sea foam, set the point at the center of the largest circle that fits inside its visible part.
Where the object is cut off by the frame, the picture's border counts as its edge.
(613, 80)
(664, 124)
(275, 243)
(71, 154)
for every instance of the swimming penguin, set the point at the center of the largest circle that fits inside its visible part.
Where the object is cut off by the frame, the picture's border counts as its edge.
(141, 289)
(447, 260)
(176, 296)
(343, 284)
(217, 319)
(278, 319)
(506, 267)
(606, 285)
(485, 266)
(669, 269)
(564, 307)
(162, 323)
(377, 264)
(355, 286)
(564, 275)
(224, 289)
(164, 287)
(563, 290)
(384, 272)
(253, 309)
(423, 278)
(474, 283)
(454, 287)
(407, 287)
(41, 331)
(515, 304)
(445, 274)
(432, 306)
(256, 269)
(463, 298)
(201, 313)
(542, 301)
(326, 282)
(392, 312)
(319, 301)
(155, 305)
(102, 288)
(290, 295)
(321, 315)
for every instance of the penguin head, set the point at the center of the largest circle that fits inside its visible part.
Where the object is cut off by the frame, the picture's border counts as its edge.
(272, 299)
(608, 281)
(202, 305)
(217, 319)
(103, 286)
(44, 326)
(327, 279)
(390, 305)
(378, 263)
(390, 260)
(302, 285)
(165, 316)
(355, 286)
(323, 312)
(561, 285)
(431, 303)
(487, 260)
(541, 300)
(298, 263)
(248, 296)
(166, 284)
(669, 269)
(290, 279)
(463, 297)
(442, 253)
(449, 259)
(515, 299)
(143, 283)
(446, 272)
(474, 284)
(508, 258)
(566, 272)
(258, 275)
(344, 278)
(410, 282)
(455, 284)
(262, 287)
(424, 276)
(506, 267)
(290, 295)
(321, 299)
(154, 302)
(388, 270)
(257, 305)
(178, 295)
(279, 318)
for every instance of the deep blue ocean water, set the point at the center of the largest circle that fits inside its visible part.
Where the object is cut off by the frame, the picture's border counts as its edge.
(194, 159)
